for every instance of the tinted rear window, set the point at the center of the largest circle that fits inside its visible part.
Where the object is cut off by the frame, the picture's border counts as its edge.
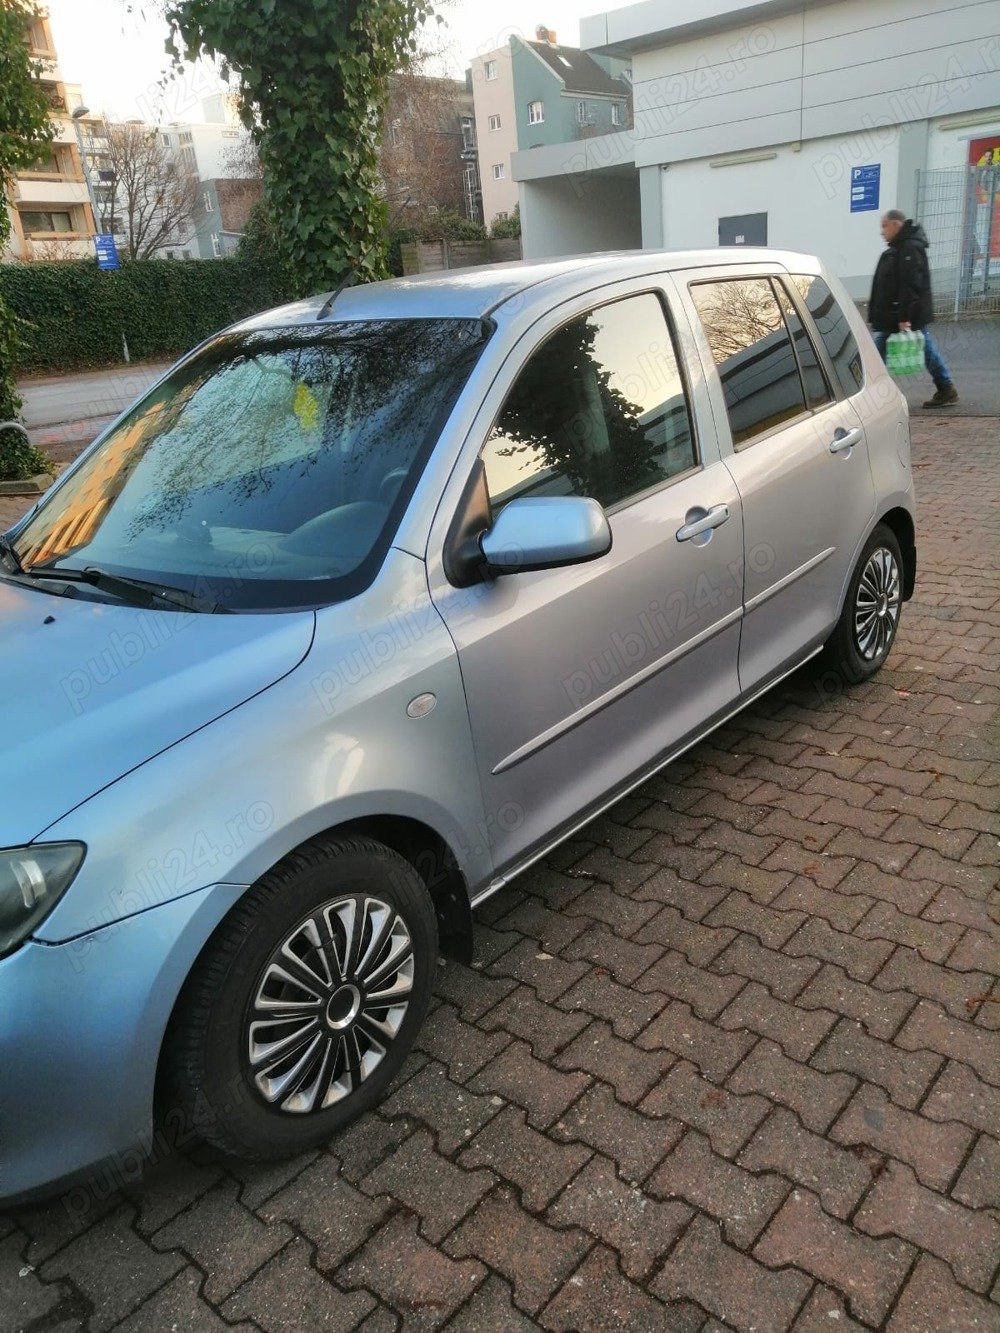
(753, 351)
(835, 331)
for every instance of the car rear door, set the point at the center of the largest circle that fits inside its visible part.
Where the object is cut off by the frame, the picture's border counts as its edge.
(795, 445)
(578, 678)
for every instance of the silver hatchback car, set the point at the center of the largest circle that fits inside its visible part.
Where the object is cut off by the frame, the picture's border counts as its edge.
(364, 607)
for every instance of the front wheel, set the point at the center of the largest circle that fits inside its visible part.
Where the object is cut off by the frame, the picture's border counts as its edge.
(305, 1002)
(866, 631)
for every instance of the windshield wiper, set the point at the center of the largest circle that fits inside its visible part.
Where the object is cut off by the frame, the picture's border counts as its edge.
(129, 590)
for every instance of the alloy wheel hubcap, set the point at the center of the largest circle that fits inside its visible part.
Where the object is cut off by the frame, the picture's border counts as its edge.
(329, 1004)
(876, 607)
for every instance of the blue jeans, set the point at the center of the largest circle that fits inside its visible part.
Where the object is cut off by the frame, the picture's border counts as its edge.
(933, 359)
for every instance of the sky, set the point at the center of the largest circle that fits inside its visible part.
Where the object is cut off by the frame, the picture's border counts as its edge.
(118, 56)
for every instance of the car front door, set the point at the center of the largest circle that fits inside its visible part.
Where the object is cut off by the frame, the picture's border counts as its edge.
(798, 456)
(579, 678)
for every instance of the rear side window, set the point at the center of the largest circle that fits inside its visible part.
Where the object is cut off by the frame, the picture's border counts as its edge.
(598, 410)
(753, 352)
(813, 377)
(835, 331)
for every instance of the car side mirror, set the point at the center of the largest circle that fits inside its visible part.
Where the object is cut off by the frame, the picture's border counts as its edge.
(545, 532)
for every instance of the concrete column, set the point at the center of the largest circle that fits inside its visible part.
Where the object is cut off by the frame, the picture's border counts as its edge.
(651, 207)
(912, 158)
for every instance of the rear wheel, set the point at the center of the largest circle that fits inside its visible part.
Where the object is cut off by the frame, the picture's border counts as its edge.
(867, 628)
(305, 1002)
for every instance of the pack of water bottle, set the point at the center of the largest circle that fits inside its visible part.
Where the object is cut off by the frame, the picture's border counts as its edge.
(904, 352)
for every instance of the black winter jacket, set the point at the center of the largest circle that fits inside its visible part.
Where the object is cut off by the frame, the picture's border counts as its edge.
(901, 287)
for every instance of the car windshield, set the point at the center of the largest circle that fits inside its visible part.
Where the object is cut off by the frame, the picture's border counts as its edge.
(270, 470)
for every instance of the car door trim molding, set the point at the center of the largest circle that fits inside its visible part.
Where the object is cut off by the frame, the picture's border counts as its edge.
(611, 696)
(631, 784)
(789, 579)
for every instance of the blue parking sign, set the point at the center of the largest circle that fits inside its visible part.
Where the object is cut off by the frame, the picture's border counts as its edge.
(865, 183)
(107, 251)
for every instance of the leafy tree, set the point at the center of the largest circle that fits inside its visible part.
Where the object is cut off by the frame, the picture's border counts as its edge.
(313, 81)
(24, 132)
(507, 225)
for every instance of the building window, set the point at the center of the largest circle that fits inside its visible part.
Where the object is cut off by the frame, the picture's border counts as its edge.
(34, 220)
(206, 199)
(468, 132)
(536, 113)
(494, 122)
(47, 164)
(216, 246)
(618, 114)
(565, 62)
(166, 140)
(582, 113)
(490, 66)
(499, 171)
(394, 134)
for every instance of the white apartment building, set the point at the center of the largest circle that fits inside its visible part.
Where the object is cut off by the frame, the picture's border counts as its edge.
(768, 121)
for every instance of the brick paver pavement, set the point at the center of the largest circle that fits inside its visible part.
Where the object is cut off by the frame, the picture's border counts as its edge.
(728, 1060)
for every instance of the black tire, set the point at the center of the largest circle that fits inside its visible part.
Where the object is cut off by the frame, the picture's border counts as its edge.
(853, 655)
(210, 1078)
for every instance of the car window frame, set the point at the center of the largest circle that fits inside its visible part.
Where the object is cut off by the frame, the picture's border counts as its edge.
(804, 415)
(367, 571)
(687, 389)
(817, 338)
(778, 284)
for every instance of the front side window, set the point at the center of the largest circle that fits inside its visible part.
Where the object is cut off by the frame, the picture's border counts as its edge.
(499, 171)
(270, 470)
(582, 113)
(617, 114)
(536, 113)
(494, 122)
(834, 329)
(491, 69)
(753, 352)
(598, 410)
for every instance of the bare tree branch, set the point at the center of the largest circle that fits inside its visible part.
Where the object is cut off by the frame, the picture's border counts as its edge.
(152, 194)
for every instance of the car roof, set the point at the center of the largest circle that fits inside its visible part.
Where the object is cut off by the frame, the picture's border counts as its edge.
(475, 293)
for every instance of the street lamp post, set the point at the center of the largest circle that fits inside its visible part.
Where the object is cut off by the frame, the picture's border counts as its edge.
(78, 116)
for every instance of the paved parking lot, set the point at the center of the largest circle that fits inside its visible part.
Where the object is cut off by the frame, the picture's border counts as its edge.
(729, 1060)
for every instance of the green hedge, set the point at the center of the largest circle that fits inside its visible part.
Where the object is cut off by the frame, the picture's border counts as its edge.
(73, 315)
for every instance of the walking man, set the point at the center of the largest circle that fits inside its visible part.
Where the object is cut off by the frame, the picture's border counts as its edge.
(901, 298)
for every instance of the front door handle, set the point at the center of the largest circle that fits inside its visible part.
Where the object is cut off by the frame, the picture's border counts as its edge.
(845, 439)
(711, 519)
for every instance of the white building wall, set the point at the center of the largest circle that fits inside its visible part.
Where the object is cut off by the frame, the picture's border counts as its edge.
(948, 145)
(495, 97)
(806, 195)
(827, 69)
(558, 219)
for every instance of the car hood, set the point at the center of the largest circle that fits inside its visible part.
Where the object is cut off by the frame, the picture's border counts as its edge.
(90, 690)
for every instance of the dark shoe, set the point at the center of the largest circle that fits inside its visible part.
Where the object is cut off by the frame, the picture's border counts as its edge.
(944, 397)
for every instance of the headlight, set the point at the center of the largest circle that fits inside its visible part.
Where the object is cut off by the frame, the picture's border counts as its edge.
(32, 880)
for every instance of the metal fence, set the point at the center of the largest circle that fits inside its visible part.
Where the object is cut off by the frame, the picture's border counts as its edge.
(960, 211)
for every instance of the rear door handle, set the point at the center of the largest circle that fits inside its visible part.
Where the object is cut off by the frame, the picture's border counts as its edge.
(711, 519)
(845, 439)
